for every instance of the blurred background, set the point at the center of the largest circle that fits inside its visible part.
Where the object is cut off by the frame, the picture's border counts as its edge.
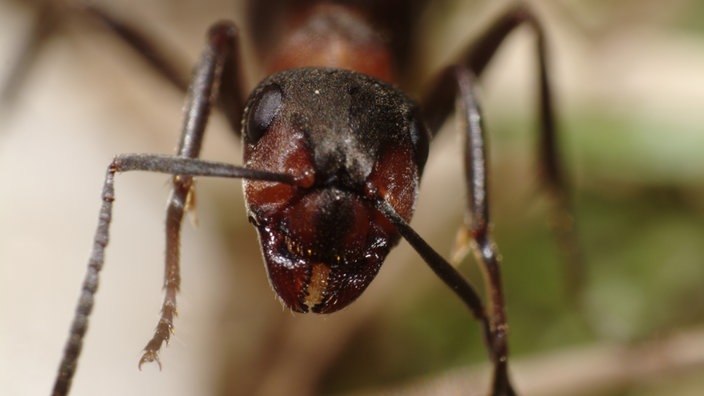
(629, 81)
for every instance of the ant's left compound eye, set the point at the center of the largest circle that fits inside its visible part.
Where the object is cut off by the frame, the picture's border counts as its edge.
(264, 107)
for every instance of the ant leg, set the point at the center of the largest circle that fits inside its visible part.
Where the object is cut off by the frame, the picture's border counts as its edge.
(51, 17)
(478, 222)
(203, 92)
(460, 81)
(495, 326)
(439, 101)
(217, 56)
(124, 163)
(231, 92)
(150, 51)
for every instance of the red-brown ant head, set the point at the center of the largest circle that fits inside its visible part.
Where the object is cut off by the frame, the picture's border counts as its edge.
(349, 139)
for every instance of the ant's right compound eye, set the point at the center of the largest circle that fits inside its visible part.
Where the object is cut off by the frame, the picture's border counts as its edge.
(264, 106)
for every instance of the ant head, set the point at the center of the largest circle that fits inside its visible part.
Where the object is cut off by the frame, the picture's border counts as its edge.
(350, 140)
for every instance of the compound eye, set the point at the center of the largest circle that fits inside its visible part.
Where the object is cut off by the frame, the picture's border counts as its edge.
(264, 108)
(420, 139)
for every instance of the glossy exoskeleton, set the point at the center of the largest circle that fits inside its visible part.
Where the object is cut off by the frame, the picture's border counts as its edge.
(354, 139)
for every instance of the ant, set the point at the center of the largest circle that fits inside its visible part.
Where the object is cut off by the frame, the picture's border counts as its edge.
(333, 156)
